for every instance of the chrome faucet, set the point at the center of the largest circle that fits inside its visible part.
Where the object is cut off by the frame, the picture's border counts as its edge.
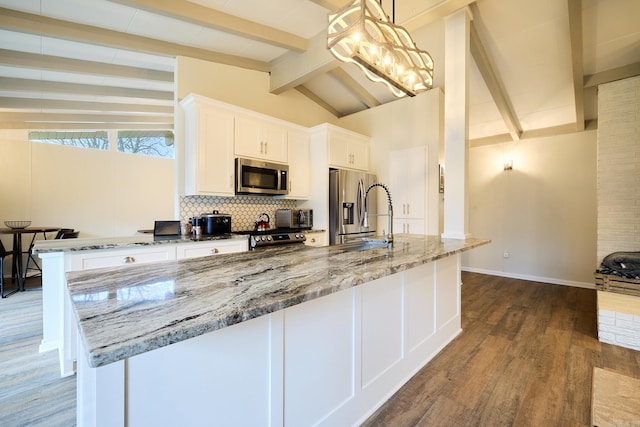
(389, 238)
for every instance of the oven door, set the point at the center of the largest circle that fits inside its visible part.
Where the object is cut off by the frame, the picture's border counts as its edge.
(257, 177)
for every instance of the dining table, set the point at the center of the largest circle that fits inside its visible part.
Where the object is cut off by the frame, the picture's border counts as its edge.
(17, 271)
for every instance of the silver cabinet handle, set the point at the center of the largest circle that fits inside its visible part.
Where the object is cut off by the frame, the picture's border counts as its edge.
(266, 147)
(407, 208)
(129, 260)
(214, 251)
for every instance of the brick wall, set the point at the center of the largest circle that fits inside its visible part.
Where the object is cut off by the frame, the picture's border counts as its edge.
(618, 167)
(618, 328)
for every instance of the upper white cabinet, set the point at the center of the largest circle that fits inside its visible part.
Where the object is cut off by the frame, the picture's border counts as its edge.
(209, 131)
(408, 186)
(216, 133)
(344, 149)
(260, 139)
(299, 164)
(348, 149)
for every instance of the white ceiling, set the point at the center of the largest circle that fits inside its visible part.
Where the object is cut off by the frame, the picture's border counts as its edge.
(528, 45)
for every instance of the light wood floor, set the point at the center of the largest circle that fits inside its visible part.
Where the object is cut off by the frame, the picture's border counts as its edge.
(525, 358)
(31, 390)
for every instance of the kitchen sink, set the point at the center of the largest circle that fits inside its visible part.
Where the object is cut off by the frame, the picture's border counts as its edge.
(362, 245)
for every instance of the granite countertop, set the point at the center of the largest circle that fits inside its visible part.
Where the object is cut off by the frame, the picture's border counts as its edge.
(125, 311)
(101, 243)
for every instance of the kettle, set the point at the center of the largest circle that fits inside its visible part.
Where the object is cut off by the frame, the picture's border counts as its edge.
(261, 223)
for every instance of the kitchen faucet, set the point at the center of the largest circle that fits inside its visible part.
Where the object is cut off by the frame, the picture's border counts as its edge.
(389, 238)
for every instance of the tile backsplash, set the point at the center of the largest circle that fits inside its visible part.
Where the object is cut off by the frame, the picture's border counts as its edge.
(244, 210)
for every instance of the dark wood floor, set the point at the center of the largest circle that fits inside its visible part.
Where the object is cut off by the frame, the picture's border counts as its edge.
(525, 358)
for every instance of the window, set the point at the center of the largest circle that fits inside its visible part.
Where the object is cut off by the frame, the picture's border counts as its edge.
(157, 143)
(98, 140)
(151, 143)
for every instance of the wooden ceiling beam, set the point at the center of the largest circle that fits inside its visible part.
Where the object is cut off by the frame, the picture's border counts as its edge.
(612, 75)
(200, 15)
(22, 22)
(293, 69)
(86, 106)
(36, 61)
(41, 86)
(85, 126)
(315, 98)
(575, 34)
(492, 80)
(85, 118)
(354, 87)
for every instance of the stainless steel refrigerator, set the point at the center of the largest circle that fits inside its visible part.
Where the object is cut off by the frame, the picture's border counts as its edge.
(346, 205)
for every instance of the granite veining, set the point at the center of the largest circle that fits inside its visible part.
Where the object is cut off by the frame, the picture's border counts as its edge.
(125, 311)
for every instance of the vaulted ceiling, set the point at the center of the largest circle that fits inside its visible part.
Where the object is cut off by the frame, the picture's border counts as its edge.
(98, 64)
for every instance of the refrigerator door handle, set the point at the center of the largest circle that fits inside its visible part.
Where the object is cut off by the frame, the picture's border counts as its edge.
(360, 203)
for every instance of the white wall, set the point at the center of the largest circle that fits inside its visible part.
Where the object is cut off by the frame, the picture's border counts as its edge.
(97, 192)
(543, 212)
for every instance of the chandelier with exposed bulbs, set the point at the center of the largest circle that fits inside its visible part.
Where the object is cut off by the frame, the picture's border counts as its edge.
(361, 33)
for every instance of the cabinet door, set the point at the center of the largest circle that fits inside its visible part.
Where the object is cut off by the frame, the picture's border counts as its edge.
(348, 151)
(259, 139)
(408, 182)
(409, 225)
(339, 150)
(196, 250)
(208, 151)
(299, 165)
(358, 155)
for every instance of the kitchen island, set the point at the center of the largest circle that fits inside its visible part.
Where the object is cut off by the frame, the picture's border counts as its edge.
(290, 335)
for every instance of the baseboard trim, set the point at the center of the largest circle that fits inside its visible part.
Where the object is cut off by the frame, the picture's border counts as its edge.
(551, 280)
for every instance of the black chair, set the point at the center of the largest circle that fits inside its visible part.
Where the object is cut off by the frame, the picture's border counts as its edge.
(3, 254)
(62, 232)
(70, 235)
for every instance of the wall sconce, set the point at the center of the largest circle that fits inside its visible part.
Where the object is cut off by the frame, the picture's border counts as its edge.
(508, 165)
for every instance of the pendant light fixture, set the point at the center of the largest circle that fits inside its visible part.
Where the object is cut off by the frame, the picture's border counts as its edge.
(361, 33)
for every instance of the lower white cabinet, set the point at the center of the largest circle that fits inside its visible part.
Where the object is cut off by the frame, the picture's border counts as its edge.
(121, 257)
(196, 250)
(316, 238)
(408, 226)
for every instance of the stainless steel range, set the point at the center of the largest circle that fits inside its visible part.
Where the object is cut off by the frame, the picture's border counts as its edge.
(273, 237)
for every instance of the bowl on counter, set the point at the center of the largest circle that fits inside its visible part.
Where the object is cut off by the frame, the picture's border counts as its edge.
(17, 224)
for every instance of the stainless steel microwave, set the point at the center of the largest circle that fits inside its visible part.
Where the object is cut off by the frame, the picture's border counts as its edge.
(258, 177)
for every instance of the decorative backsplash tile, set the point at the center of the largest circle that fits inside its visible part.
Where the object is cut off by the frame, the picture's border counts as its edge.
(244, 210)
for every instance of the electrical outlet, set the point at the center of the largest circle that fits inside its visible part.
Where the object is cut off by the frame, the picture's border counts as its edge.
(505, 255)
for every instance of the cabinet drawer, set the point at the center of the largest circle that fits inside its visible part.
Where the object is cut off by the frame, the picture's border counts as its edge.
(205, 249)
(122, 257)
(316, 239)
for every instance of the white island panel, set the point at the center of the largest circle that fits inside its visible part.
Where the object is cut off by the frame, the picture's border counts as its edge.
(319, 357)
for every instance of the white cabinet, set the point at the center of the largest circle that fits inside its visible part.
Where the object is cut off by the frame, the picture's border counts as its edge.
(260, 139)
(124, 257)
(408, 186)
(209, 167)
(348, 149)
(215, 247)
(316, 238)
(299, 165)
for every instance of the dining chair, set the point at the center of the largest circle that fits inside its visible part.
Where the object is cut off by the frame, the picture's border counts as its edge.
(62, 232)
(3, 254)
(70, 235)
